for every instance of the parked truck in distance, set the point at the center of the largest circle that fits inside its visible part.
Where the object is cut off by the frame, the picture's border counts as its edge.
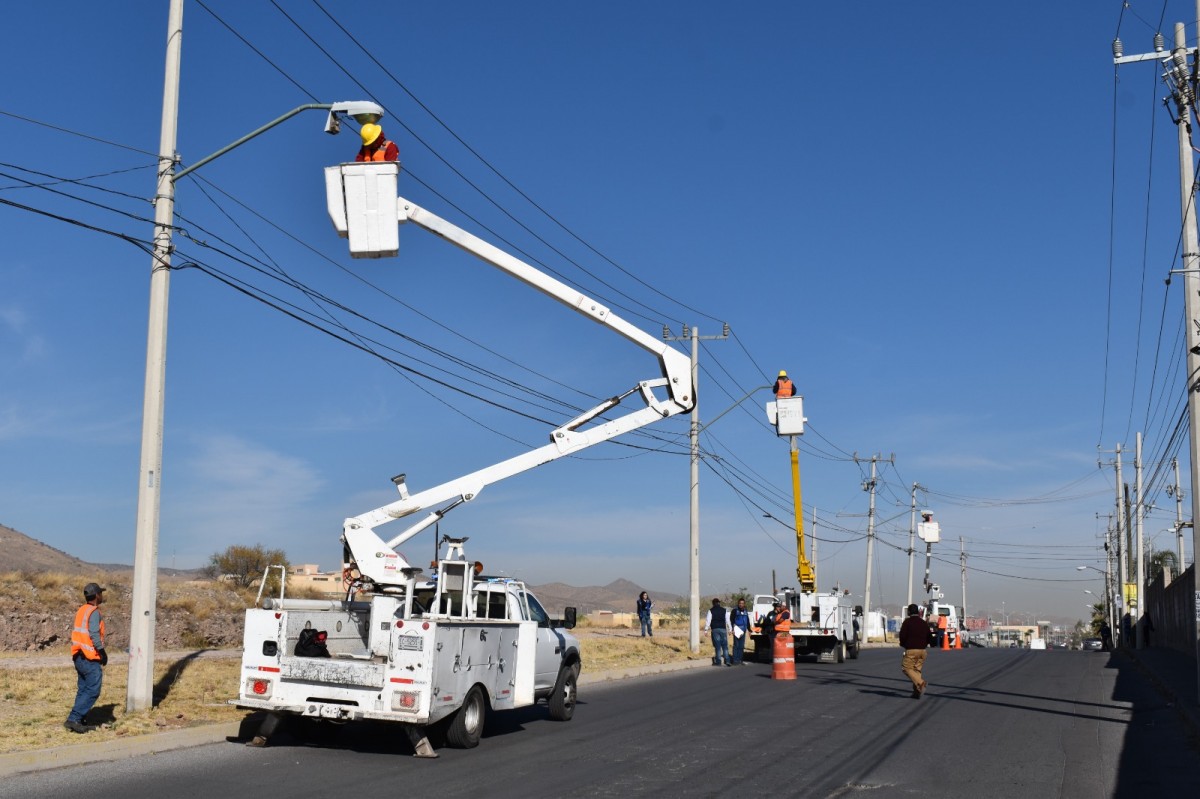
(824, 625)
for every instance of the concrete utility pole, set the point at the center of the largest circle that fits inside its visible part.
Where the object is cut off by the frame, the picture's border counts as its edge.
(1177, 492)
(1138, 512)
(1183, 91)
(1108, 579)
(1122, 575)
(962, 565)
(693, 335)
(912, 532)
(869, 485)
(140, 688)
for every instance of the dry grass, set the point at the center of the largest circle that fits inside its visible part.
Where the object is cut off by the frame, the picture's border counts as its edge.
(616, 648)
(34, 702)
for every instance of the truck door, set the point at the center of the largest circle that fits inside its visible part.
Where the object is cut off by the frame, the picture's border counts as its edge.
(549, 645)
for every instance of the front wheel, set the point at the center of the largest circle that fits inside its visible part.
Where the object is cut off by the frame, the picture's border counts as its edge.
(466, 727)
(562, 699)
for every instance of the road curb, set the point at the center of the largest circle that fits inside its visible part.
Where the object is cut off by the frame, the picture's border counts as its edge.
(116, 749)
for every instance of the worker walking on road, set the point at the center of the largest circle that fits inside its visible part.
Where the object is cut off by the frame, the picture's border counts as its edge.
(87, 652)
(739, 628)
(717, 623)
(783, 387)
(376, 146)
(914, 640)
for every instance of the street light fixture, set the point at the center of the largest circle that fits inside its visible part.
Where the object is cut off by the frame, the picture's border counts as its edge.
(140, 685)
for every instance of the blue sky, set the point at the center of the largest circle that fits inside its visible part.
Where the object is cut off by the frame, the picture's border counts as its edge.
(913, 208)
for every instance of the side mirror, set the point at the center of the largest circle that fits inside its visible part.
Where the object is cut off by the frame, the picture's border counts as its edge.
(569, 618)
(858, 610)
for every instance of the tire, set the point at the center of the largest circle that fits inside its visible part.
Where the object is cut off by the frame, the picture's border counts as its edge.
(562, 700)
(466, 726)
(853, 651)
(841, 651)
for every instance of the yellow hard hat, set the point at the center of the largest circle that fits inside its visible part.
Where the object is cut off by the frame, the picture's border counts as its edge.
(782, 373)
(370, 132)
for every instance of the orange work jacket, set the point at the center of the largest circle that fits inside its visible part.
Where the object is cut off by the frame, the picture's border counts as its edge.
(81, 639)
(783, 621)
(943, 622)
(786, 389)
(380, 153)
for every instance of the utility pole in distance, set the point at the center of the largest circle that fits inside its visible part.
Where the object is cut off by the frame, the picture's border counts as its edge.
(693, 334)
(912, 532)
(962, 565)
(1183, 91)
(869, 486)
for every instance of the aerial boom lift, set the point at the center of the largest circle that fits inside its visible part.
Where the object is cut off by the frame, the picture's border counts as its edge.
(365, 209)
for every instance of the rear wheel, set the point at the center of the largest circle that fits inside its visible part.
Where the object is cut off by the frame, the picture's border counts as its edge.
(562, 700)
(466, 727)
(841, 651)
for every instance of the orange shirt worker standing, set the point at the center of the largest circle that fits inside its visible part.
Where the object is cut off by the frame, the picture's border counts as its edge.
(89, 657)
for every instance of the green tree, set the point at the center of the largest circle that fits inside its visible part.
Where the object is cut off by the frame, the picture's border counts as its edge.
(1160, 560)
(243, 565)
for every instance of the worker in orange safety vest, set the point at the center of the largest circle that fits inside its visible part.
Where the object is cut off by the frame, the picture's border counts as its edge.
(783, 387)
(89, 657)
(376, 146)
(943, 623)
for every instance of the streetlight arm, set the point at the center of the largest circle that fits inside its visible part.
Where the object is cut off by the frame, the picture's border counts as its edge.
(251, 135)
(747, 396)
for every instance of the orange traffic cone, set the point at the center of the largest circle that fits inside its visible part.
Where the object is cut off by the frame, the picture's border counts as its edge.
(958, 639)
(945, 639)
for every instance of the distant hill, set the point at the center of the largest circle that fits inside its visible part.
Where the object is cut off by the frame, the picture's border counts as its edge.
(619, 596)
(22, 553)
(25, 554)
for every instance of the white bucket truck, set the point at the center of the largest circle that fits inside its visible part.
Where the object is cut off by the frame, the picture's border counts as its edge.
(441, 650)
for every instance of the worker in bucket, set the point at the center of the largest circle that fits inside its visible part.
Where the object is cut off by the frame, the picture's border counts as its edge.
(783, 387)
(376, 146)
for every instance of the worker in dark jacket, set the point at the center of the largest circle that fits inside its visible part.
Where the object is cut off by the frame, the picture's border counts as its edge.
(914, 640)
(783, 387)
(739, 628)
(716, 623)
(88, 655)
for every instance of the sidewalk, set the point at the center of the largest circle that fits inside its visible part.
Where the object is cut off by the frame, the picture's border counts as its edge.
(1175, 676)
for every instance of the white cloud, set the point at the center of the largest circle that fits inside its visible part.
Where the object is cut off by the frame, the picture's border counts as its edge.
(240, 492)
(15, 337)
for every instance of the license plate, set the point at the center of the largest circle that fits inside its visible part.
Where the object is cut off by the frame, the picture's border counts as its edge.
(412, 642)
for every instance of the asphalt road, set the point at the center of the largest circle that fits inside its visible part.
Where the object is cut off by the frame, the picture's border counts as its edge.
(994, 723)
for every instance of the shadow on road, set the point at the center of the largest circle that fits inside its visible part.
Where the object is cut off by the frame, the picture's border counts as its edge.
(380, 737)
(1158, 752)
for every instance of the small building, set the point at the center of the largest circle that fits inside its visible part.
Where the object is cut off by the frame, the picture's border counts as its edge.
(309, 577)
